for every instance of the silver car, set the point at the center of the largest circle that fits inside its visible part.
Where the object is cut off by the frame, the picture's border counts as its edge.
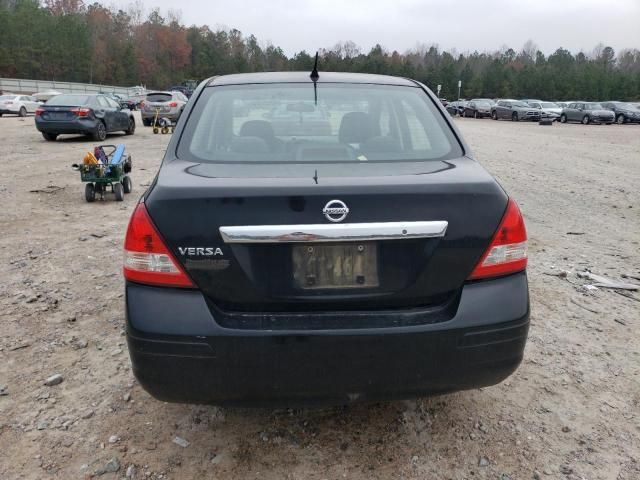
(515, 110)
(167, 105)
(548, 110)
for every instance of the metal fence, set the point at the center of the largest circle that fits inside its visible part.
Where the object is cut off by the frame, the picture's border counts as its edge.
(29, 87)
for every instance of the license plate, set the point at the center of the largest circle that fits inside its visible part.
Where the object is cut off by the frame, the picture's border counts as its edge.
(351, 265)
(58, 116)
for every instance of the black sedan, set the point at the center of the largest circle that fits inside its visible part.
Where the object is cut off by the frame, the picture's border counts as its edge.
(94, 115)
(371, 259)
(624, 112)
(477, 109)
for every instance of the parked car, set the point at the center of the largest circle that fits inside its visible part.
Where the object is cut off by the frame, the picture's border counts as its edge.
(87, 114)
(380, 261)
(123, 101)
(167, 105)
(548, 110)
(186, 91)
(624, 112)
(456, 107)
(19, 105)
(477, 109)
(515, 110)
(586, 112)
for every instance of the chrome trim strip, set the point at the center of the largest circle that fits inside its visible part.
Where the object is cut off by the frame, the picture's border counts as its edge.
(343, 232)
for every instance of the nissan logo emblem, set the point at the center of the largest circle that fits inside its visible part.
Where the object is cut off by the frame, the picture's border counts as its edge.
(335, 210)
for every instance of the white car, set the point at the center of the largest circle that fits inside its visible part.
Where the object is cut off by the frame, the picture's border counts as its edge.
(18, 105)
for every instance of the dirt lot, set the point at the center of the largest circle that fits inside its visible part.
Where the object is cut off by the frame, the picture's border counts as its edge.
(572, 410)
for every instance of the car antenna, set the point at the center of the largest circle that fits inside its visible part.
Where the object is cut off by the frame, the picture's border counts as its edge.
(314, 78)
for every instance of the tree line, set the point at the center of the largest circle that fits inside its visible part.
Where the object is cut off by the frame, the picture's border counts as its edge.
(68, 40)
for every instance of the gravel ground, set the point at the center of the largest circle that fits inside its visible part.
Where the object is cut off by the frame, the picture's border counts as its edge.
(572, 410)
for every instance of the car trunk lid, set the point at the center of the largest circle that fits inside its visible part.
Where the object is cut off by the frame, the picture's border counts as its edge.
(198, 208)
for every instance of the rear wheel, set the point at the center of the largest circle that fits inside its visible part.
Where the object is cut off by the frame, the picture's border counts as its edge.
(620, 119)
(514, 117)
(494, 115)
(100, 133)
(585, 120)
(89, 192)
(50, 137)
(132, 127)
(118, 190)
(563, 118)
(22, 112)
(127, 184)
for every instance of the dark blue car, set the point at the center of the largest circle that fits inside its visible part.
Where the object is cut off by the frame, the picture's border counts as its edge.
(372, 258)
(95, 115)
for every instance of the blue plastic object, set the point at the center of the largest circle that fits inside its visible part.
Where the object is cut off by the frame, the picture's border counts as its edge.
(118, 155)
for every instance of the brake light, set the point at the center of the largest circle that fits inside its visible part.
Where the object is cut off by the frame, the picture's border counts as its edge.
(147, 258)
(173, 104)
(507, 252)
(39, 111)
(81, 111)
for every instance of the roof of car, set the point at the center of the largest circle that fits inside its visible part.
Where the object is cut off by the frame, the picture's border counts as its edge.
(303, 77)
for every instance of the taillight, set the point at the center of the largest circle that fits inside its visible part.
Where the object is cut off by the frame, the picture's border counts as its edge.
(39, 111)
(147, 258)
(173, 104)
(81, 111)
(507, 252)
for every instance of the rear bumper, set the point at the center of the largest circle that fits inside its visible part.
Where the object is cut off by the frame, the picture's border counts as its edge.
(180, 354)
(74, 126)
(173, 115)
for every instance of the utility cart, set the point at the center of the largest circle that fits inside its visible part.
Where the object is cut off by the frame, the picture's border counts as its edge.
(107, 167)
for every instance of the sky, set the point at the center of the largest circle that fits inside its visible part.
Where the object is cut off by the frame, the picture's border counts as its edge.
(466, 25)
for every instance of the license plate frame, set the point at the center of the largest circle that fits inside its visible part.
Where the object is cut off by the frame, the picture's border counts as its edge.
(352, 265)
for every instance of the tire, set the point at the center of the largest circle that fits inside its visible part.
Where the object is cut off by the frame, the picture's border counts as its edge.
(89, 192)
(100, 134)
(620, 119)
(0, 114)
(127, 184)
(155, 130)
(514, 117)
(494, 115)
(50, 137)
(563, 118)
(22, 112)
(132, 127)
(585, 120)
(118, 190)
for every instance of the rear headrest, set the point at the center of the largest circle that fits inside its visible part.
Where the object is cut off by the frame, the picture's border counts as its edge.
(249, 145)
(257, 128)
(356, 127)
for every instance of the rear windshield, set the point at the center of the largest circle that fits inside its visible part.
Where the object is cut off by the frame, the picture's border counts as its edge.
(69, 100)
(159, 97)
(285, 123)
(8, 97)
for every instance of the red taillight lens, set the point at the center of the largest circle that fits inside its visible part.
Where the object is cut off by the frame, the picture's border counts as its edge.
(507, 252)
(173, 104)
(81, 112)
(146, 257)
(39, 111)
